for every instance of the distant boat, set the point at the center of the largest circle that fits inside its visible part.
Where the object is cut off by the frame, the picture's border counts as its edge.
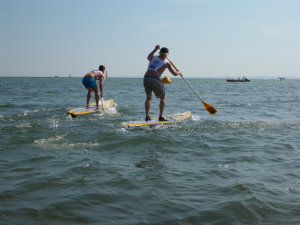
(56, 76)
(281, 78)
(244, 79)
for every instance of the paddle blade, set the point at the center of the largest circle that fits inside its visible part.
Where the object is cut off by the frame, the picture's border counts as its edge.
(209, 108)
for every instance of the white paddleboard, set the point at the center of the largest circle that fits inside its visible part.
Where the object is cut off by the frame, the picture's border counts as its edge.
(173, 118)
(92, 108)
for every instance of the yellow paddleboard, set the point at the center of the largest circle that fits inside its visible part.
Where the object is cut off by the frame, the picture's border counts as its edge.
(92, 108)
(173, 118)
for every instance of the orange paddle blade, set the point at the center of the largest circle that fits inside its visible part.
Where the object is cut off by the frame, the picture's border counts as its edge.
(209, 108)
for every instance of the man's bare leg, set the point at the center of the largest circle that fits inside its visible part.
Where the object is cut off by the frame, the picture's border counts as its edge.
(162, 105)
(148, 106)
(96, 97)
(88, 97)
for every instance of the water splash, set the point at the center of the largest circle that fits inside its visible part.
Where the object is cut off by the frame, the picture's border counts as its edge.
(195, 118)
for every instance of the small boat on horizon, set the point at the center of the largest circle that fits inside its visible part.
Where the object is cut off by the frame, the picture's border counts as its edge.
(244, 79)
(281, 78)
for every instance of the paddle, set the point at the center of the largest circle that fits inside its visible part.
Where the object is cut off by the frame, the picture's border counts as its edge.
(209, 108)
(101, 97)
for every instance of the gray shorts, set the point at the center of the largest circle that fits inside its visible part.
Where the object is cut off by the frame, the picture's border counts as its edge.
(155, 85)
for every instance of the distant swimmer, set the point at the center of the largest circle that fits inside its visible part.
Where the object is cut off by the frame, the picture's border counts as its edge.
(152, 81)
(89, 82)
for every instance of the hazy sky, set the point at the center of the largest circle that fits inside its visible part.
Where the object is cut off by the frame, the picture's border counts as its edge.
(206, 38)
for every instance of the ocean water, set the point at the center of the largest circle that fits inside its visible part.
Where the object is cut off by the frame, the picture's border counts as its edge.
(241, 166)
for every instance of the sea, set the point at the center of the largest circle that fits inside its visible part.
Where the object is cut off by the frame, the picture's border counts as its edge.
(239, 166)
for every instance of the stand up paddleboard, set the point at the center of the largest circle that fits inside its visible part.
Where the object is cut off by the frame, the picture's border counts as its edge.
(92, 108)
(173, 118)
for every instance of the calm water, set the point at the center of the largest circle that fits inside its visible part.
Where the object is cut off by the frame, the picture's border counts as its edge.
(241, 166)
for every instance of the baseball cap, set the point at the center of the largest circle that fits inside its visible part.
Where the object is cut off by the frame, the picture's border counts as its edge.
(164, 50)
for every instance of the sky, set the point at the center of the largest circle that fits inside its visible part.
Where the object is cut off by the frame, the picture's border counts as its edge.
(206, 38)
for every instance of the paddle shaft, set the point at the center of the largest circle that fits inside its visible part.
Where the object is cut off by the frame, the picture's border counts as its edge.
(191, 88)
(100, 97)
(186, 81)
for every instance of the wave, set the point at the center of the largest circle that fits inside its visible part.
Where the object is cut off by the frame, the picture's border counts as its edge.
(25, 113)
(57, 142)
(213, 124)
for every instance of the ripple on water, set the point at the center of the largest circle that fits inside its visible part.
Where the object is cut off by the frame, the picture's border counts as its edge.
(238, 167)
(60, 142)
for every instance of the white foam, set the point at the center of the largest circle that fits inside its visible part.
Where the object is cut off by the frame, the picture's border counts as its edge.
(24, 125)
(23, 114)
(122, 129)
(26, 112)
(56, 142)
(290, 189)
(224, 165)
(195, 118)
(49, 141)
(111, 110)
(86, 165)
(54, 124)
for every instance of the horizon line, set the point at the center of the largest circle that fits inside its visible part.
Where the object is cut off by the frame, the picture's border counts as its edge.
(198, 77)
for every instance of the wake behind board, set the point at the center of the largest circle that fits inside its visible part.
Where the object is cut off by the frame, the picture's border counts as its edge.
(92, 108)
(173, 118)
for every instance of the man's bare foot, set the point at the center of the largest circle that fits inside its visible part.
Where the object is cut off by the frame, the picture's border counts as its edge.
(87, 106)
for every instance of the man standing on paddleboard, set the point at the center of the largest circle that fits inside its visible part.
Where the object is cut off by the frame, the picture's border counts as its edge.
(89, 82)
(152, 81)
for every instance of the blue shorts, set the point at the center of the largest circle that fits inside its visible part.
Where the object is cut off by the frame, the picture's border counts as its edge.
(89, 82)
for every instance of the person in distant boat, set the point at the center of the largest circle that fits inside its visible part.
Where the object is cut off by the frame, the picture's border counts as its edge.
(152, 81)
(89, 82)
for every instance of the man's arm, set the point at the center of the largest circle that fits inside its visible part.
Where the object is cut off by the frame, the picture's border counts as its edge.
(173, 70)
(151, 54)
